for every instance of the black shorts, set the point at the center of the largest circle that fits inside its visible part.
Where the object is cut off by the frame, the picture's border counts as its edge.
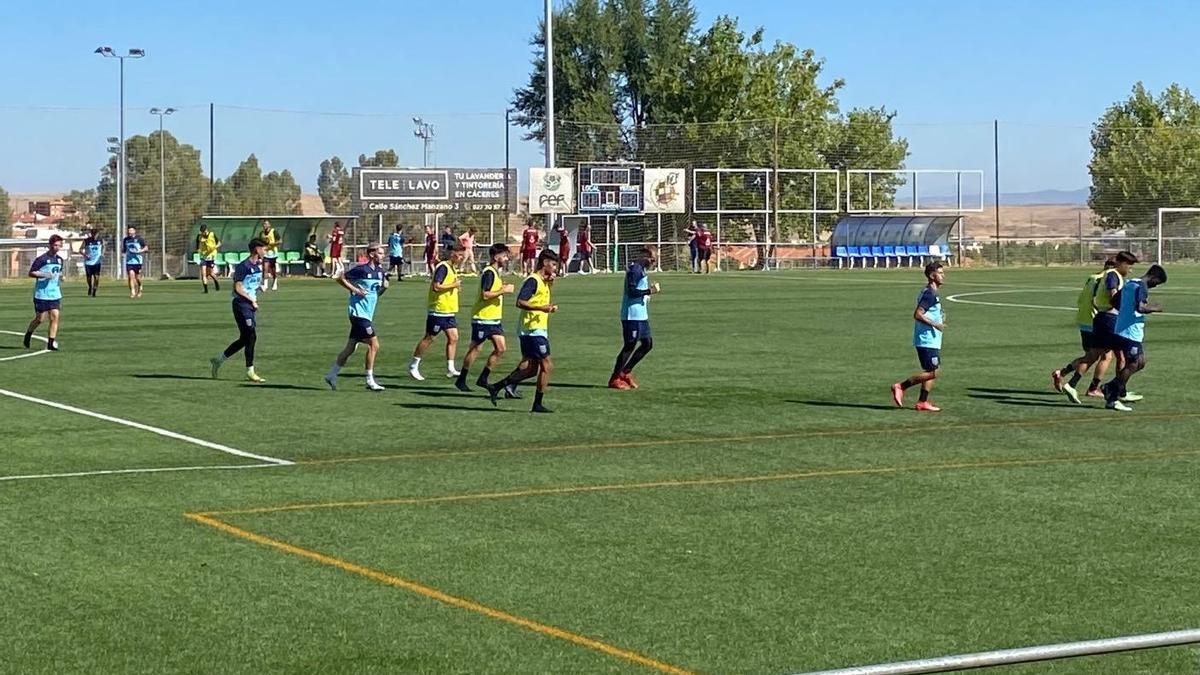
(40, 306)
(435, 325)
(931, 359)
(634, 330)
(1104, 331)
(362, 329)
(535, 347)
(244, 315)
(92, 270)
(271, 262)
(396, 261)
(482, 332)
(133, 268)
(1131, 349)
(209, 263)
(705, 254)
(1087, 339)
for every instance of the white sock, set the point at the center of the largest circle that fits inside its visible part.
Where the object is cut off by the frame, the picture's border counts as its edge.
(370, 376)
(450, 365)
(250, 370)
(415, 363)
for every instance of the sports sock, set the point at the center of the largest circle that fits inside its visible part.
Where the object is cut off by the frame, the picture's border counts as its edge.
(370, 376)
(335, 369)
(1075, 379)
(450, 364)
(537, 399)
(222, 358)
(1067, 369)
(907, 383)
(484, 374)
(1095, 383)
(924, 395)
(416, 361)
(462, 376)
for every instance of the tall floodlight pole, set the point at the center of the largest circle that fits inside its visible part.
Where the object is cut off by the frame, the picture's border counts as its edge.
(162, 181)
(549, 47)
(109, 53)
(423, 131)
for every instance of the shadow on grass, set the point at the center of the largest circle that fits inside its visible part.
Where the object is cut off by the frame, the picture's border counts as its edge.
(842, 404)
(169, 376)
(1023, 400)
(456, 408)
(284, 387)
(1024, 392)
(568, 385)
(450, 393)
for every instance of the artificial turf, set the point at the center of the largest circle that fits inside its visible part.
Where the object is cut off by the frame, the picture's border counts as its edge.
(757, 506)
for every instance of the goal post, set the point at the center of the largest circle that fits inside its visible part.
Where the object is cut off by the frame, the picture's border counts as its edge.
(1160, 236)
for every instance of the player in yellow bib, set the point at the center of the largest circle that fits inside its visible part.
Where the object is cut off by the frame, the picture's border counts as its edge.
(207, 245)
(270, 256)
(486, 317)
(1097, 332)
(536, 308)
(443, 308)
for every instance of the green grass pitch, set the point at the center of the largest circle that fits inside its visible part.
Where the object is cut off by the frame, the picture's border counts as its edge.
(758, 506)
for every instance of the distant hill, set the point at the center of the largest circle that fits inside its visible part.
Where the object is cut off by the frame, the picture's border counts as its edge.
(1066, 197)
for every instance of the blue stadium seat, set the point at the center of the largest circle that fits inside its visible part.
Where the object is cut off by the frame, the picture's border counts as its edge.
(876, 254)
(888, 253)
(841, 254)
(912, 251)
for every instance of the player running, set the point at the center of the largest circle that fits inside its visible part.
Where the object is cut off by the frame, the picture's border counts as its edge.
(583, 244)
(247, 279)
(1130, 332)
(635, 320)
(930, 321)
(536, 308)
(336, 238)
(467, 239)
(1085, 313)
(396, 253)
(135, 250)
(47, 269)
(270, 256)
(564, 247)
(366, 283)
(486, 318)
(529, 247)
(207, 245)
(430, 249)
(92, 249)
(443, 306)
(704, 248)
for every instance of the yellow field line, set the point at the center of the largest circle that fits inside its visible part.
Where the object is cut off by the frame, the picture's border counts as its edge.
(732, 480)
(435, 594)
(740, 439)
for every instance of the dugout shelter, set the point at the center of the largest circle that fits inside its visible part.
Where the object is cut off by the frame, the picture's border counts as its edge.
(235, 233)
(880, 240)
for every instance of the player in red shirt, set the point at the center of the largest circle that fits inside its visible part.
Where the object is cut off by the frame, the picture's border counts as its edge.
(529, 247)
(336, 238)
(704, 246)
(564, 248)
(430, 248)
(583, 243)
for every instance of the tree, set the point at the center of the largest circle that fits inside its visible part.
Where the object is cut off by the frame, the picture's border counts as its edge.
(186, 187)
(333, 185)
(1145, 155)
(5, 209)
(381, 158)
(247, 192)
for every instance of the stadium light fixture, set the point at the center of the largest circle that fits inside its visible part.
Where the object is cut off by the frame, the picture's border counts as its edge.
(162, 184)
(110, 53)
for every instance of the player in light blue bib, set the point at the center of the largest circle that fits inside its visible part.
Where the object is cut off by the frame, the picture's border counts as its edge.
(365, 282)
(928, 323)
(1130, 332)
(47, 270)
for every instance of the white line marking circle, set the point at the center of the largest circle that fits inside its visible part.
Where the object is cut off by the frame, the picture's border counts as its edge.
(29, 354)
(958, 297)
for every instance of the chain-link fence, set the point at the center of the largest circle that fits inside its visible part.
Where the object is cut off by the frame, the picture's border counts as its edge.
(771, 211)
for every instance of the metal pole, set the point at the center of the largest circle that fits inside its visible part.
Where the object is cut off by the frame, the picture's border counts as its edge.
(549, 57)
(996, 174)
(958, 190)
(1004, 657)
(507, 180)
(212, 160)
(658, 246)
(1079, 220)
(162, 197)
(121, 159)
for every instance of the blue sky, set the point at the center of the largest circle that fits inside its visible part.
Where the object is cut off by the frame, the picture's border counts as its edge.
(1044, 69)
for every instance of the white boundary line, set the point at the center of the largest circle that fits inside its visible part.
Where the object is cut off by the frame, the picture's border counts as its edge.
(146, 427)
(27, 354)
(111, 472)
(958, 297)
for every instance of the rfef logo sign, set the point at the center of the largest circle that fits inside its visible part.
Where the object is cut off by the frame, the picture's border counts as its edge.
(551, 190)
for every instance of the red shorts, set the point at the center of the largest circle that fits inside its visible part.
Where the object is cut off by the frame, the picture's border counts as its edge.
(528, 253)
(564, 253)
(335, 251)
